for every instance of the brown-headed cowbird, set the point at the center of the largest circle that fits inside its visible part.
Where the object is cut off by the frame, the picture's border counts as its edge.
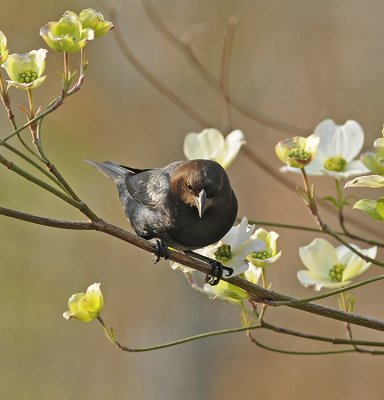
(186, 204)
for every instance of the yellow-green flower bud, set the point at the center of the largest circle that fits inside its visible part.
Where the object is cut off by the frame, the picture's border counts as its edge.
(374, 160)
(3, 48)
(86, 306)
(66, 35)
(94, 20)
(26, 69)
(380, 141)
(227, 292)
(298, 151)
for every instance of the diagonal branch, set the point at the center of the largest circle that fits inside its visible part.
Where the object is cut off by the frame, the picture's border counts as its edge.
(257, 293)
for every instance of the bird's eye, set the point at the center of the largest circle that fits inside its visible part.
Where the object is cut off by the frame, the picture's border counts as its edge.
(189, 186)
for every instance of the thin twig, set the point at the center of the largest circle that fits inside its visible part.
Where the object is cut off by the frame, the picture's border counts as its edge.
(297, 353)
(51, 222)
(177, 342)
(52, 106)
(82, 207)
(33, 163)
(164, 90)
(11, 116)
(332, 340)
(226, 55)
(347, 233)
(185, 47)
(312, 206)
(330, 293)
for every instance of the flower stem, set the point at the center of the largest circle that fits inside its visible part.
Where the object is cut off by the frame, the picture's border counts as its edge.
(66, 73)
(31, 103)
(180, 341)
(264, 278)
(310, 201)
(299, 353)
(343, 303)
(11, 117)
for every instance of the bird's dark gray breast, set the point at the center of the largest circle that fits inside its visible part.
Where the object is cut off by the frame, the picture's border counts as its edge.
(192, 232)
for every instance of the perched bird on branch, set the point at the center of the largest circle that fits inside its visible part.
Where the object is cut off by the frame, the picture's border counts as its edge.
(186, 205)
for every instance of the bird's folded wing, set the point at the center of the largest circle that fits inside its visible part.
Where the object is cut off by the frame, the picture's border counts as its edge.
(148, 187)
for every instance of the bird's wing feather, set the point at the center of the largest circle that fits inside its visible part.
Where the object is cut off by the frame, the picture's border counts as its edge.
(148, 187)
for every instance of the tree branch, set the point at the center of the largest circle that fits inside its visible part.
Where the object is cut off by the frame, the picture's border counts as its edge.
(257, 293)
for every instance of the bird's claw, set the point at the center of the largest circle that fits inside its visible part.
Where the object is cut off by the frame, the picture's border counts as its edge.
(228, 270)
(217, 272)
(161, 251)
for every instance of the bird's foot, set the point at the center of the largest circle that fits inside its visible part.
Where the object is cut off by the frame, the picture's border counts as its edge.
(161, 251)
(218, 270)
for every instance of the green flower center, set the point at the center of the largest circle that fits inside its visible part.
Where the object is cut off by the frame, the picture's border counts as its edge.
(335, 163)
(223, 253)
(336, 272)
(298, 154)
(262, 255)
(72, 37)
(27, 76)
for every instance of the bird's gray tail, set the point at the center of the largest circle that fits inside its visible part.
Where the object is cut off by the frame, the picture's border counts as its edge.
(117, 174)
(110, 169)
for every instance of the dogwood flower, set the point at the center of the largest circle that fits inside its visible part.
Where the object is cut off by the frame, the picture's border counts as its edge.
(374, 160)
(3, 48)
(297, 152)
(267, 256)
(66, 35)
(380, 141)
(87, 306)
(211, 145)
(231, 293)
(232, 250)
(226, 291)
(94, 20)
(330, 267)
(26, 69)
(338, 146)
(371, 181)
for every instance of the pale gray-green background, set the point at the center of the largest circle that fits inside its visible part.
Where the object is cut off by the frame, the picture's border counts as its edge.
(298, 61)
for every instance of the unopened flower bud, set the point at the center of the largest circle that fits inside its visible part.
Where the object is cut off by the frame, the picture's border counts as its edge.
(87, 306)
(92, 19)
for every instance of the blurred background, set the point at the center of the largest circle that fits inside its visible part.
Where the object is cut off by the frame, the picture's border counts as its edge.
(293, 64)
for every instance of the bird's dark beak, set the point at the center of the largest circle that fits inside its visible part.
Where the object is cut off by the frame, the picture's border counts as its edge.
(202, 203)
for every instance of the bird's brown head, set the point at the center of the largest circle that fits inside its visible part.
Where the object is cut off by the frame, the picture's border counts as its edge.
(200, 184)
